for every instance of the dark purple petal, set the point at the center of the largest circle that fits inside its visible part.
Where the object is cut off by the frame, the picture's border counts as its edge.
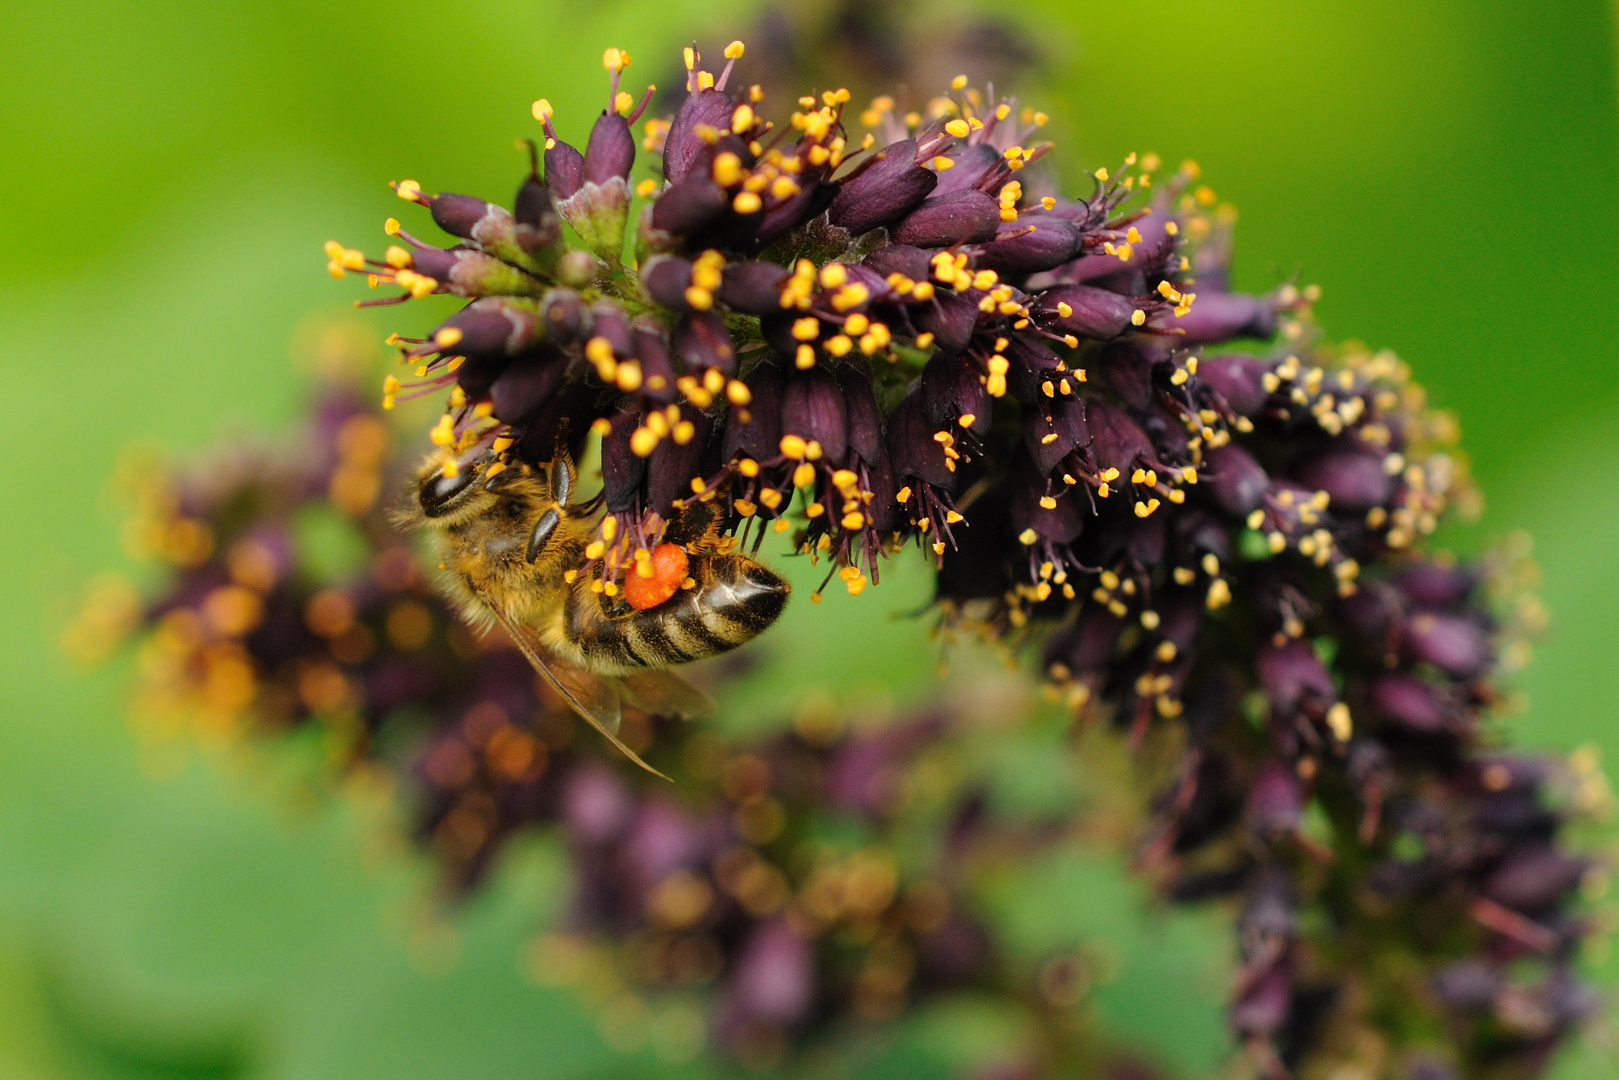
(684, 146)
(962, 217)
(610, 151)
(1093, 313)
(564, 170)
(884, 192)
(812, 408)
(1234, 480)
(752, 287)
(1216, 317)
(1355, 482)
(1032, 243)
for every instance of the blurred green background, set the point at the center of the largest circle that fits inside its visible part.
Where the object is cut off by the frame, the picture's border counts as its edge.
(1446, 171)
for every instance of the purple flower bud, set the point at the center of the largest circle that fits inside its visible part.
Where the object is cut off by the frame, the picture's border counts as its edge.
(652, 351)
(460, 215)
(1275, 802)
(1217, 317)
(1532, 879)
(1293, 675)
(1117, 441)
(526, 384)
(611, 150)
(1237, 379)
(1089, 643)
(702, 342)
(752, 287)
(1126, 368)
(660, 840)
(900, 259)
(1371, 611)
(952, 388)
(1033, 365)
(865, 422)
(564, 170)
(1060, 522)
(492, 326)
(608, 321)
(912, 449)
(689, 206)
(1355, 482)
(884, 191)
(1457, 646)
(1262, 1006)
(1093, 313)
(565, 316)
(684, 146)
(1032, 243)
(950, 318)
(562, 420)
(962, 217)
(1407, 701)
(535, 215)
(1434, 586)
(674, 465)
(792, 212)
(596, 805)
(972, 161)
(760, 436)
(772, 983)
(666, 279)
(622, 468)
(1234, 480)
(1048, 441)
(812, 408)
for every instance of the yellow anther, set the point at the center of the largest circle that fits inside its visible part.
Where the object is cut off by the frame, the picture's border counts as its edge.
(447, 337)
(747, 203)
(643, 441)
(727, 169)
(1027, 537)
(958, 127)
(733, 51)
(804, 358)
(615, 59)
(1339, 721)
(833, 275)
(699, 298)
(792, 446)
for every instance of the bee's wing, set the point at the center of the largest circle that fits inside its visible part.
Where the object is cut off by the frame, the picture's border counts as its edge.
(593, 698)
(663, 693)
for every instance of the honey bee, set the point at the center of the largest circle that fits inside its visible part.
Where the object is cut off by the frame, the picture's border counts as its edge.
(512, 549)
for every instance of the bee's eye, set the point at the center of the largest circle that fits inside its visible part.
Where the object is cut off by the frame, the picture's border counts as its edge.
(438, 492)
(542, 532)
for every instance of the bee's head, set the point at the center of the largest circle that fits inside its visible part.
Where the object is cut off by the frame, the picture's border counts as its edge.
(484, 481)
(441, 496)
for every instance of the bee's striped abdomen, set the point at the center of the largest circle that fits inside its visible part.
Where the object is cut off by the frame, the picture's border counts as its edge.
(733, 601)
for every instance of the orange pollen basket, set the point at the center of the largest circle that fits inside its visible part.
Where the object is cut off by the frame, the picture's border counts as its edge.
(668, 571)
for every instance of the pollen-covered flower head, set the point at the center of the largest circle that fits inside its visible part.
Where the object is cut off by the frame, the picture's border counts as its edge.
(884, 325)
